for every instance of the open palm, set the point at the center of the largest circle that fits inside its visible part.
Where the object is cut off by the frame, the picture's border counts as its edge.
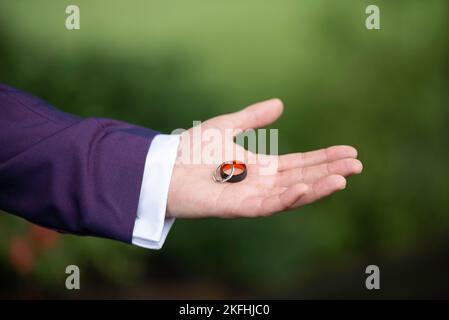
(300, 178)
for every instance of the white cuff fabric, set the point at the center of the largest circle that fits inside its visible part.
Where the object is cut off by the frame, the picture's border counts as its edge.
(151, 226)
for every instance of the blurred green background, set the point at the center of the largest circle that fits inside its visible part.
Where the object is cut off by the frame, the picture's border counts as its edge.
(163, 64)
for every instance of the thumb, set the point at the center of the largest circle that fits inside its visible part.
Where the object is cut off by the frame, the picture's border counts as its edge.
(257, 115)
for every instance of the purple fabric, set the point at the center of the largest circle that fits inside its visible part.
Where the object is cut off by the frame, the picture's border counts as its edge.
(63, 172)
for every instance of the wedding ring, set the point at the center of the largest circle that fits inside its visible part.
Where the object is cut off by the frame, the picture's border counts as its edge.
(230, 171)
(218, 177)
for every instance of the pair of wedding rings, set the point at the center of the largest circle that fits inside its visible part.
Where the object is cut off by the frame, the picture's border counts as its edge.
(230, 171)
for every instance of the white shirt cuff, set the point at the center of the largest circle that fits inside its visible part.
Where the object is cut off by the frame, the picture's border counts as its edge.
(151, 226)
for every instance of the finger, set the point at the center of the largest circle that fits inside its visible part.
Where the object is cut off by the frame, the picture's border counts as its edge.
(303, 159)
(272, 203)
(343, 167)
(255, 116)
(322, 188)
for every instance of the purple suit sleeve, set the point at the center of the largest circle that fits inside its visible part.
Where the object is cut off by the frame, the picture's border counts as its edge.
(75, 175)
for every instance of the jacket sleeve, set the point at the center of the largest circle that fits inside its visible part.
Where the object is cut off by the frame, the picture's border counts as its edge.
(63, 172)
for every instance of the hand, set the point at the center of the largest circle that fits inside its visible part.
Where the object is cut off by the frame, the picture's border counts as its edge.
(300, 179)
